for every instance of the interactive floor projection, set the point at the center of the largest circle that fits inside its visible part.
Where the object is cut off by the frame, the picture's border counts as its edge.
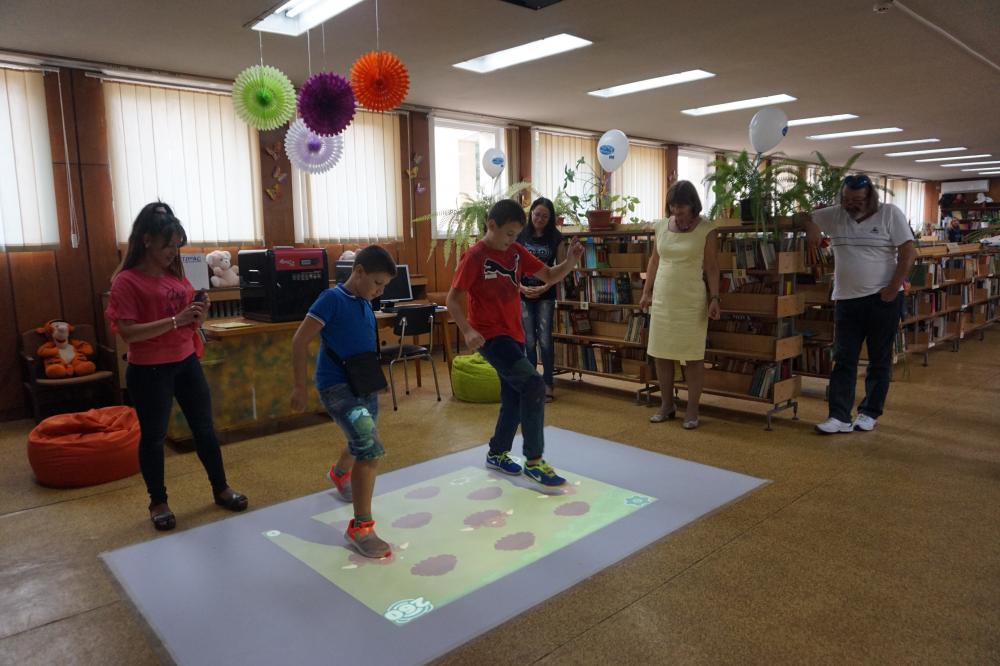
(472, 548)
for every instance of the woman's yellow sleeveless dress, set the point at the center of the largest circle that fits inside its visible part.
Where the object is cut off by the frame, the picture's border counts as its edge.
(679, 313)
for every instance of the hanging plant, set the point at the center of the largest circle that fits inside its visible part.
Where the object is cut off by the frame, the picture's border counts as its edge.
(326, 103)
(311, 152)
(380, 80)
(263, 97)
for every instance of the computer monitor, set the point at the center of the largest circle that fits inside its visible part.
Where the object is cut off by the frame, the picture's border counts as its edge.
(398, 288)
(342, 271)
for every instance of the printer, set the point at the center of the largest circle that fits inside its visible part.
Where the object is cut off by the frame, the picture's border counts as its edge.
(280, 284)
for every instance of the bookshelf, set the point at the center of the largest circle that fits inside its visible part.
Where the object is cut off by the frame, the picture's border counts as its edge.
(971, 217)
(953, 293)
(751, 350)
(598, 329)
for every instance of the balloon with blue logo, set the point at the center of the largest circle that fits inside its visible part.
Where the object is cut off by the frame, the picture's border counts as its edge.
(612, 149)
(768, 127)
(493, 162)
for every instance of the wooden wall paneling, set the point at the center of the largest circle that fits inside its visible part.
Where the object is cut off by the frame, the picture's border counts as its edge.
(90, 122)
(11, 393)
(671, 164)
(279, 214)
(405, 250)
(419, 240)
(524, 157)
(102, 240)
(72, 263)
(35, 284)
(994, 191)
(932, 192)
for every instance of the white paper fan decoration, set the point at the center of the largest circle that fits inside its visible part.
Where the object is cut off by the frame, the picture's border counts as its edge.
(311, 152)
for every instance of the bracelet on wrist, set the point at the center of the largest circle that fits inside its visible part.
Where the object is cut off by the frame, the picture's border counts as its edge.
(715, 298)
(174, 321)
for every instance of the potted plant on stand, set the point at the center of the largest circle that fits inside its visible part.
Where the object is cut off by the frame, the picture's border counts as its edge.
(597, 205)
(825, 186)
(468, 221)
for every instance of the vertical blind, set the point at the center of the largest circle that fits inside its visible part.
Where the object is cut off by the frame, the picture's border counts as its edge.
(189, 150)
(27, 190)
(643, 175)
(552, 153)
(361, 198)
(915, 204)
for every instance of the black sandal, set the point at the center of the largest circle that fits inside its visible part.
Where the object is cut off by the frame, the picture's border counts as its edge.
(164, 522)
(236, 502)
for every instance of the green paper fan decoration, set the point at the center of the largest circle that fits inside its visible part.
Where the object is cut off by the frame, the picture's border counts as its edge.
(263, 97)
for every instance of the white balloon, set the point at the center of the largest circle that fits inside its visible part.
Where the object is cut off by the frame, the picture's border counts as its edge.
(612, 149)
(768, 127)
(493, 162)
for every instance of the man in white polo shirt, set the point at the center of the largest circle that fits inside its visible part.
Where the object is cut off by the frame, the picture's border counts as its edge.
(873, 253)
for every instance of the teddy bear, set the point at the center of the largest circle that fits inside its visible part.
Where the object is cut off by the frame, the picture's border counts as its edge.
(224, 273)
(63, 356)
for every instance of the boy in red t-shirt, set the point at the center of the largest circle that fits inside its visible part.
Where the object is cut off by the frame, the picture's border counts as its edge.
(490, 272)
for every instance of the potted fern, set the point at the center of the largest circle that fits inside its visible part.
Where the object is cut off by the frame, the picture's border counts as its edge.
(825, 187)
(468, 221)
(596, 205)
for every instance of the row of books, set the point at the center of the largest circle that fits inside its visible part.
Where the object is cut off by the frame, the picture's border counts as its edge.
(815, 359)
(638, 325)
(581, 286)
(742, 323)
(596, 358)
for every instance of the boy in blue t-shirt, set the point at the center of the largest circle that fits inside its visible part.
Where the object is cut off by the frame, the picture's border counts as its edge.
(344, 320)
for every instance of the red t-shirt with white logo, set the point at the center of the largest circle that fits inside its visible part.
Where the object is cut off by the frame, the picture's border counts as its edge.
(491, 278)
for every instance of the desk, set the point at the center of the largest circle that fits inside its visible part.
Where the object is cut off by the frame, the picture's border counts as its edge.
(248, 365)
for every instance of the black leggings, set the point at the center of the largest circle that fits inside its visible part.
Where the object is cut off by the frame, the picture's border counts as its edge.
(153, 389)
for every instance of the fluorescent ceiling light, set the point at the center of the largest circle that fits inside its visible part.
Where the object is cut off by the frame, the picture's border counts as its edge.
(649, 84)
(838, 135)
(541, 48)
(989, 173)
(973, 164)
(297, 16)
(739, 104)
(896, 143)
(821, 119)
(953, 157)
(981, 171)
(906, 153)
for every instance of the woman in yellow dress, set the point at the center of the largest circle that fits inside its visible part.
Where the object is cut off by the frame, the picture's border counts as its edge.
(684, 252)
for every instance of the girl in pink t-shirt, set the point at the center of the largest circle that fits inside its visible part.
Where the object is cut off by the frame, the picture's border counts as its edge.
(154, 309)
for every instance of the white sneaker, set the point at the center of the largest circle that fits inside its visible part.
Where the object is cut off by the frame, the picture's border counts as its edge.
(832, 426)
(864, 422)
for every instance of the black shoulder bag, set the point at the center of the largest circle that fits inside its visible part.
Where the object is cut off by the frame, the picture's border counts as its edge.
(363, 371)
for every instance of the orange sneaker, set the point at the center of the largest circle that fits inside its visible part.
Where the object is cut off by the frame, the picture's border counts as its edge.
(364, 540)
(342, 483)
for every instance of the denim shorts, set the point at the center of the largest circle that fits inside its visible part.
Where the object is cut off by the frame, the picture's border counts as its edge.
(356, 417)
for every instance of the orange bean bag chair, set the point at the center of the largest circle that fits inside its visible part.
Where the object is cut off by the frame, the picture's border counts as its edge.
(85, 448)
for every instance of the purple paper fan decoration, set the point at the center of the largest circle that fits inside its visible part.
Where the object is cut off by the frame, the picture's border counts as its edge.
(309, 151)
(326, 103)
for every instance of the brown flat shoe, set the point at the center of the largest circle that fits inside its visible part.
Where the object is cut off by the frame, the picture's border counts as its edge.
(235, 502)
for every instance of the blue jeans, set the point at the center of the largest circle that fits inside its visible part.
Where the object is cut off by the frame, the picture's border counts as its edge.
(536, 315)
(522, 397)
(857, 320)
(356, 416)
(153, 389)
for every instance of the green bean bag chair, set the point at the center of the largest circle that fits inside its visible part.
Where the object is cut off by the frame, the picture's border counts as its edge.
(474, 380)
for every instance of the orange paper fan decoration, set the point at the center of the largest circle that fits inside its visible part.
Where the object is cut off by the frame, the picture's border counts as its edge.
(380, 80)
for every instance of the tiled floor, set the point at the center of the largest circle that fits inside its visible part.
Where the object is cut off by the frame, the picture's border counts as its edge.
(877, 548)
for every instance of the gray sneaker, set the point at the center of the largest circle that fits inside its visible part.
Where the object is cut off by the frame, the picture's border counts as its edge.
(342, 484)
(364, 540)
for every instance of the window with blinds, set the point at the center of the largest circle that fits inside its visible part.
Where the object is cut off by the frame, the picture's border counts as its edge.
(189, 150)
(552, 153)
(695, 166)
(459, 147)
(27, 191)
(915, 191)
(643, 175)
(361, 198)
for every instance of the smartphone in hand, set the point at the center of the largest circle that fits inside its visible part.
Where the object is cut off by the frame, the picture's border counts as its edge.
(199, 296)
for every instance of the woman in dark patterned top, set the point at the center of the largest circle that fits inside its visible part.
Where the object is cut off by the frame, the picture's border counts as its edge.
(541, 237)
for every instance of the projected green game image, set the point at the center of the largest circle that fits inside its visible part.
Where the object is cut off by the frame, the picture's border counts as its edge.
(455, 533)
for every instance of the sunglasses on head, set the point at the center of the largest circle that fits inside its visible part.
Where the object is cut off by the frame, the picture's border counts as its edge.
(857, 182)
